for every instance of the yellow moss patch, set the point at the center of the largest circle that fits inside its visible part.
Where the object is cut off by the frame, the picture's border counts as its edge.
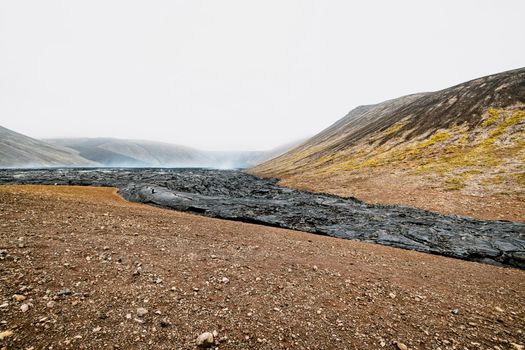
(394, 128)
(494, 180)
(519, 178)
(463, 139)
(454, 183)
(438, 136)
(503, 126)
(389, 131)
(492, 117)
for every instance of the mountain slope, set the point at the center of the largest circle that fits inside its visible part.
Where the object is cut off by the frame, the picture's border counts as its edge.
(17, 150)
(117, 152)
(465, 140)
(138, 153)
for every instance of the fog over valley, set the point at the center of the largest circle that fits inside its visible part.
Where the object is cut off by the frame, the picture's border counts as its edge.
(235, 75)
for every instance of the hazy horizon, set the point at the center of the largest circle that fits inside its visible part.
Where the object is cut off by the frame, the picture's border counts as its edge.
(235, 75)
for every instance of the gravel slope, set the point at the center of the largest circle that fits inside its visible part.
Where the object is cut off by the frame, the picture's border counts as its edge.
(83, 261)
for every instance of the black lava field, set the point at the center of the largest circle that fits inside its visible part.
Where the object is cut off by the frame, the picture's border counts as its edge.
(235, 195)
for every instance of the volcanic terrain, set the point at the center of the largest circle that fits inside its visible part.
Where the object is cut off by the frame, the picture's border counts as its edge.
(235, 195)
(83, 269)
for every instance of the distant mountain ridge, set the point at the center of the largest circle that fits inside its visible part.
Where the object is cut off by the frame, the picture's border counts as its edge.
(120, 152)
(17, 150)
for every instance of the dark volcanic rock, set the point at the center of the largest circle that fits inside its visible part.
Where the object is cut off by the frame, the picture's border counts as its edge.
(235, 195)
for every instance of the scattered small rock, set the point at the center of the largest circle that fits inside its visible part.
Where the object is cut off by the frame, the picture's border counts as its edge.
(401, 346)
(165, 323)
(5, 334)
(141, 312)
(64, 292)
(223, 339)
(19, 297)
(24, 307)
(205, 340)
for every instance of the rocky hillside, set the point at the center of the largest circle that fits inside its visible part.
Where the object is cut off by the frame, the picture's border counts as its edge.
(17, 150)
(467, 140)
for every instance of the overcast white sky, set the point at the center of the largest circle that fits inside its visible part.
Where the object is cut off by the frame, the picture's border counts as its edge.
(237, 74)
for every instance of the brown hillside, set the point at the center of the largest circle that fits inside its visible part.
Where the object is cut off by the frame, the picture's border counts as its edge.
(459, 150)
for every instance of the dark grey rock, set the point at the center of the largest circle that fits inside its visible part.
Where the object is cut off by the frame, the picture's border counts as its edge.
(64, 292)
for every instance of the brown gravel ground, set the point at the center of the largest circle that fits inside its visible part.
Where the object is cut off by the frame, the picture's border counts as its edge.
(258, 287)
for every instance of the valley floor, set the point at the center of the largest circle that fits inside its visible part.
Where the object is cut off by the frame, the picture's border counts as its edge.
(77, 262)
(414, 191)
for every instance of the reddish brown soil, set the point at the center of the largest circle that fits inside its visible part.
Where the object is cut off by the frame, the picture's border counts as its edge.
(258, 287)
(413, 191)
